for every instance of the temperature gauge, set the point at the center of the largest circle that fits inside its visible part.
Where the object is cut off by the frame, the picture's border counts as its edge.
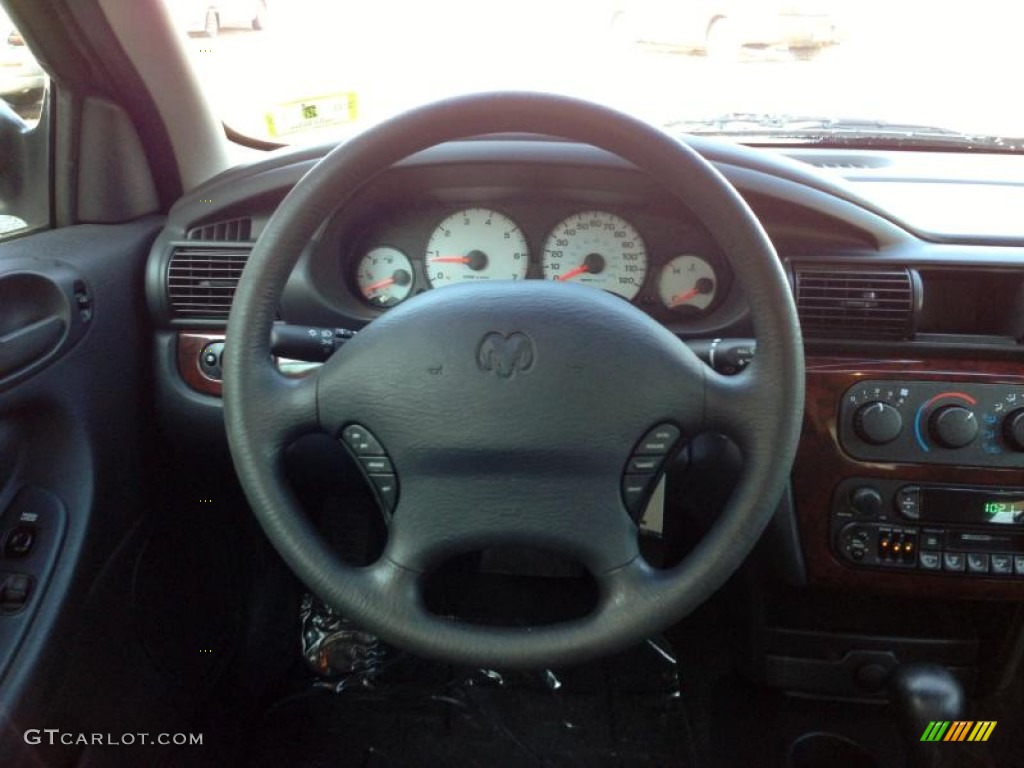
(687, 283)
(384, 276)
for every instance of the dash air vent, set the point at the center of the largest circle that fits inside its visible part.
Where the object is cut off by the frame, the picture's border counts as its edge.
(844, 161)
(228, 231)
(201, 281)
(855, 303)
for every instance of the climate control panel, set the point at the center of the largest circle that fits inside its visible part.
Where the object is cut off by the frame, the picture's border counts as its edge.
(929, 422)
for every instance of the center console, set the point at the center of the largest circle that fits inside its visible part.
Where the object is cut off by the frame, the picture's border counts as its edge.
(901, 525)
(910, 475)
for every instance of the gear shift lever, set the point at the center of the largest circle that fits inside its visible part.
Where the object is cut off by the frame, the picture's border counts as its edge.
(921, 693)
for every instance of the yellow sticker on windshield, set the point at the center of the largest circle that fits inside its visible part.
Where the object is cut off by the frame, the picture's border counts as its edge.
(311, 113)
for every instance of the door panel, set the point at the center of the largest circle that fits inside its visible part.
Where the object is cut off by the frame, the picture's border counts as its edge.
(74, 399)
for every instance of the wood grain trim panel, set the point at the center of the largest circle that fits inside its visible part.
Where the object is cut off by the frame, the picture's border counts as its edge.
(821, 465)
(189, 347)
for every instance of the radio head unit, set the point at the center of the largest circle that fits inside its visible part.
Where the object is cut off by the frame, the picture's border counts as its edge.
(895, 525)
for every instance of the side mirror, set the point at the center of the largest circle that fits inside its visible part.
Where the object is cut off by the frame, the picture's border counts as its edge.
(24, 160)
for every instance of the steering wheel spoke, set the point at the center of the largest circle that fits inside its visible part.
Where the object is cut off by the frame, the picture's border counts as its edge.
(290, 408)
(737, 405)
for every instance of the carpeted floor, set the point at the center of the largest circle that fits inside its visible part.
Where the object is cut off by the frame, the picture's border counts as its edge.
(625, 711)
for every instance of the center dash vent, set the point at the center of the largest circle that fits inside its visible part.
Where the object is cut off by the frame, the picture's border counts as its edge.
(843, 161)
(227, 231)
(201, 281)
(855, 303)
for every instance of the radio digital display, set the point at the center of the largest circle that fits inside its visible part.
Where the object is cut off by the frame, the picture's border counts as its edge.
(1009, 511)
(971, 506)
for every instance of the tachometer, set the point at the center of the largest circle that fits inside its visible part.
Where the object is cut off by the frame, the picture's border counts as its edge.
(476, 244)
(597, 248)
(384, 276)
(687, 283)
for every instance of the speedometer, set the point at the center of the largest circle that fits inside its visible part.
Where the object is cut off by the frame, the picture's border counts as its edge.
(597, 248)
(476, 244)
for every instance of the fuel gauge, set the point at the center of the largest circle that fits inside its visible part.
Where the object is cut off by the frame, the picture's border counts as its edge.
(384, 276)
(687, 282)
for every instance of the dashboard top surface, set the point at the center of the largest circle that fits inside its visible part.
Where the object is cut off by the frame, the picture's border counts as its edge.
(817, 206)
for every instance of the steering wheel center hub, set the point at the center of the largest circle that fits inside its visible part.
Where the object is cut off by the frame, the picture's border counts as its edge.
(510, 374)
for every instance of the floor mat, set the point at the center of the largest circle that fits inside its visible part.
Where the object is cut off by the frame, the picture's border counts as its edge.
(624, 711)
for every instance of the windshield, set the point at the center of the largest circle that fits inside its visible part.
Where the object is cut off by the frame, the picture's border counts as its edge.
(908, 72)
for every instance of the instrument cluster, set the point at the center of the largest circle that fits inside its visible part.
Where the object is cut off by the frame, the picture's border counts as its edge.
(678, 276)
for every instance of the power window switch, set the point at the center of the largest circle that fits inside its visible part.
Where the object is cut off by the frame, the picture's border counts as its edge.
(15, 591)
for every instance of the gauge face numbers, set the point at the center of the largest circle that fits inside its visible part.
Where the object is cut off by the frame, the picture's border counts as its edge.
(384, 276)
(476, 244)
(688, 284)
(599, 249)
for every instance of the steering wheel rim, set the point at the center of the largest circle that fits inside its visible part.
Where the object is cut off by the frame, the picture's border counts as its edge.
(760, 409)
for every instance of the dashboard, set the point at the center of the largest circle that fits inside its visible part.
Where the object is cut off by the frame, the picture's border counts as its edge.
(914, 339)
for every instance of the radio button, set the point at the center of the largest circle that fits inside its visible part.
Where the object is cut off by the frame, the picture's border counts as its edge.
(932, 539)
(362, 443)
(885, 545)
(658, 442)
(1018, 565)
(1002, 565)
(930, 561)
(866, 501)
(908, 502)
(977, 563)
(952, 561)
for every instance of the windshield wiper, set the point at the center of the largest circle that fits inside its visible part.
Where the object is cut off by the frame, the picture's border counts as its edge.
(844, 132)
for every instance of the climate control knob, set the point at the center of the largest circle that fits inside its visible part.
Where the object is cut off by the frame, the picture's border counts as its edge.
(953, 426)
(877, 423)
(1013, 429)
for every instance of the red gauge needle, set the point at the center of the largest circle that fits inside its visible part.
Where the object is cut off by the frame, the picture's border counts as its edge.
(580, 270)
(451, 260)
(374, 287)
(684, 297)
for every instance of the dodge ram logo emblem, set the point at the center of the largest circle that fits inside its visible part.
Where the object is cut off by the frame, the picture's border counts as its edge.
(505, 354)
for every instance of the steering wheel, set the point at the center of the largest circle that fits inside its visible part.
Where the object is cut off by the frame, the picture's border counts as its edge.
(509, 410)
